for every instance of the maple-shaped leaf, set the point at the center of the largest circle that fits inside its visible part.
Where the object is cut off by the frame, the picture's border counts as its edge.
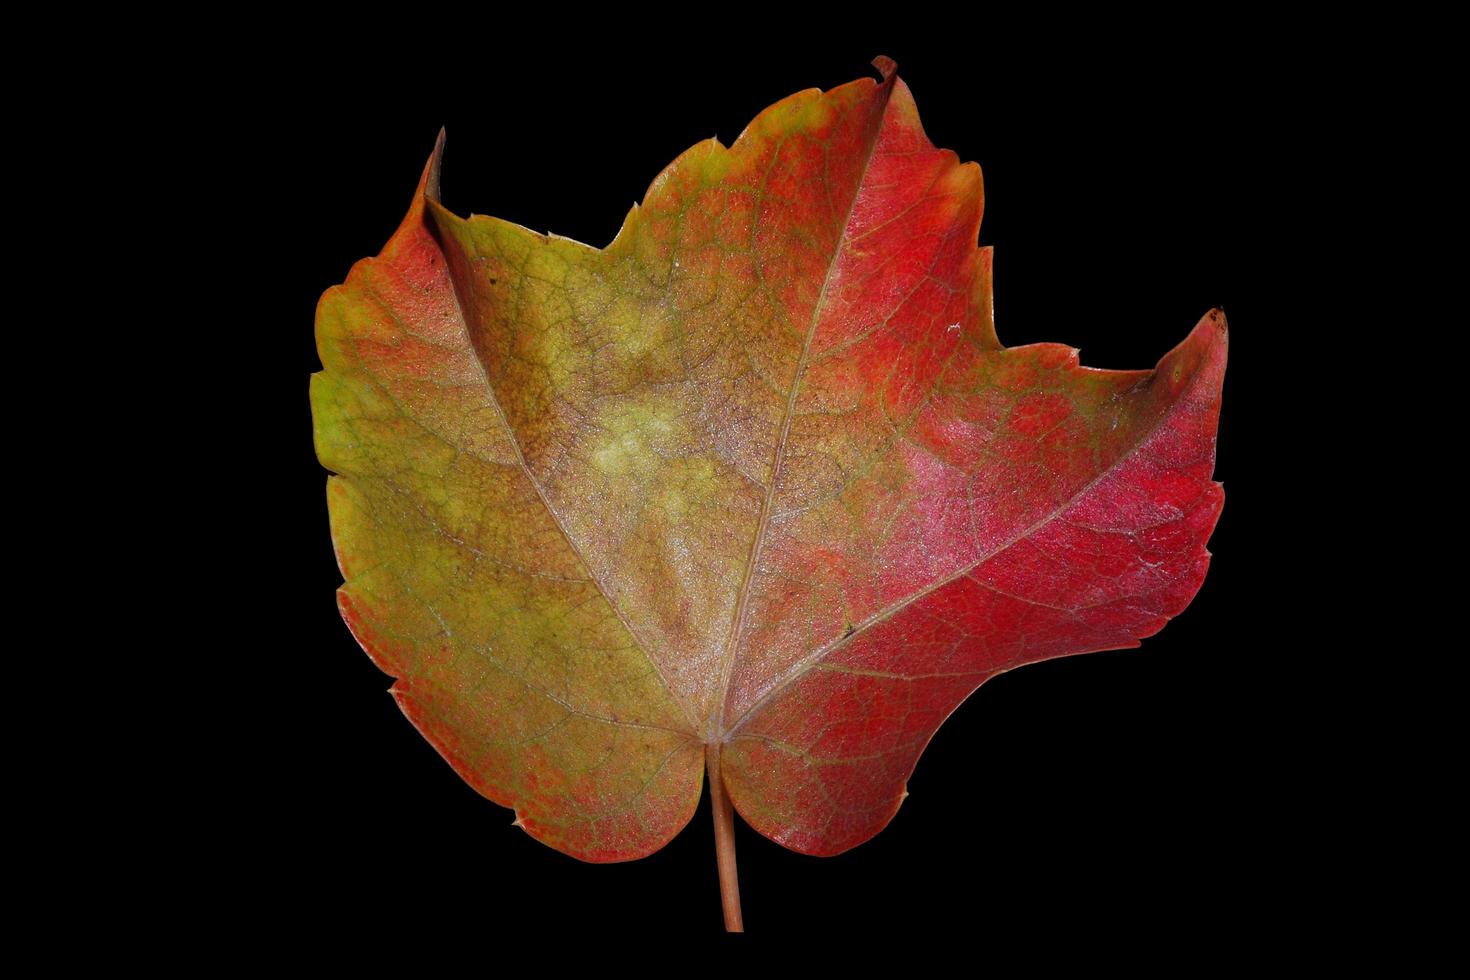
(754, 490)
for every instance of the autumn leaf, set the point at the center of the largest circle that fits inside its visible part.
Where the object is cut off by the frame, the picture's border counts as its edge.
(754, 490)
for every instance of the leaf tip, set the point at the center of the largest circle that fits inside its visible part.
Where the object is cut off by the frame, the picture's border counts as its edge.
(1215, 338)
(1216, 317)
(428, 189)
(429, 186)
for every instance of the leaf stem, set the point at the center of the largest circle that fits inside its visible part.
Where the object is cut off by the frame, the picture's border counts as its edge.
(724, 840)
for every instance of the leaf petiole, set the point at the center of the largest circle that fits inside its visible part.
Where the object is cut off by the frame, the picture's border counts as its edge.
(724, 840)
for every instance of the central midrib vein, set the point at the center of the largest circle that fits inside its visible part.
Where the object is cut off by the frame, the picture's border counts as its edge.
(715, 727)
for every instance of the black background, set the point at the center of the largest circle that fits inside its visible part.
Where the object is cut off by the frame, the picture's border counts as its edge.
(1131, 185)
